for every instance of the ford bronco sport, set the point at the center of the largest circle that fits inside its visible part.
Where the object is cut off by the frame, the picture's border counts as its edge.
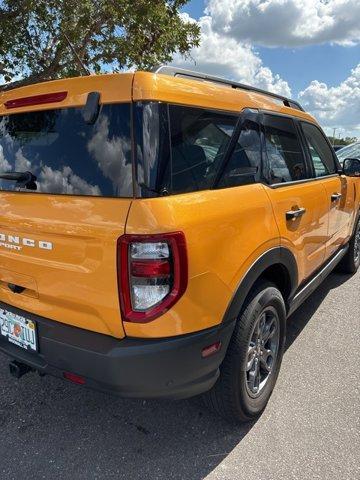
(157, 228)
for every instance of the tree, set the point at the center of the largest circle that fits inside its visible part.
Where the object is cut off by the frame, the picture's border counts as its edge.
(48, 39)
(342, 141)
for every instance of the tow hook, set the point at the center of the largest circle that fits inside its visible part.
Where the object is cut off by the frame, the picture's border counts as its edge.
(18, 369)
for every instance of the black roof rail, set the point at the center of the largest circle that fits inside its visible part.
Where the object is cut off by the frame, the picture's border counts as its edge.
(181, 72)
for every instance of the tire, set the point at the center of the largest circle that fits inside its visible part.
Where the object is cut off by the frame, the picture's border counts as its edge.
(351, 261)
(234, 395)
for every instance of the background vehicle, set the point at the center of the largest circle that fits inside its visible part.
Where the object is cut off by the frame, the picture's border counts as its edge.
(158, 228)
(350, 151)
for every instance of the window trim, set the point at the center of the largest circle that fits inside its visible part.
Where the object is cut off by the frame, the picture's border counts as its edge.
(298, 182)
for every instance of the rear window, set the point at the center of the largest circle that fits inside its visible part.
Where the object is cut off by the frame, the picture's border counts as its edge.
(66, 155)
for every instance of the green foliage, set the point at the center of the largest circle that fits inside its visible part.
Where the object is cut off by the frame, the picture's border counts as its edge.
(342, 141)
(106, 35)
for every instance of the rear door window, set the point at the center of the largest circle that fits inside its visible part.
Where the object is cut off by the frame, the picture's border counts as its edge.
(66, 155)
(285, 158)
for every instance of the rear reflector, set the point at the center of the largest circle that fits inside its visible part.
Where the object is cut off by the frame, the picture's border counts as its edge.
(36, 100)
(74, 378)
(211, 349)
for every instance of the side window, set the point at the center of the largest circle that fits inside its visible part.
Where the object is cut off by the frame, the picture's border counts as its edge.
(244, 165)
(320, 152)
(285, 159)
(198, 140)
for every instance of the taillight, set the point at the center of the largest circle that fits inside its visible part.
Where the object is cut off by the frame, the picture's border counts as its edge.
(152, 274)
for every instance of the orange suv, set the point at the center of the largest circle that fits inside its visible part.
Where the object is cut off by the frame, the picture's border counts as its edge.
(157, 228)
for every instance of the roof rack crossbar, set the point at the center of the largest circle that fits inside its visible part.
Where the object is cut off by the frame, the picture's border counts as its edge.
(181, 72)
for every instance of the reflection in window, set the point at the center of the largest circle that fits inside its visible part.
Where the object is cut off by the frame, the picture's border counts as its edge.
(67, 155)
(320, 150)
(285, 159)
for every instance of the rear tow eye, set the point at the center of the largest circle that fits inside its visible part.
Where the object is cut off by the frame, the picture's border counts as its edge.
(18, 369)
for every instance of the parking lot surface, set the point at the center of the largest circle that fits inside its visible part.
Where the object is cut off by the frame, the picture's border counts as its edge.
(310, 430)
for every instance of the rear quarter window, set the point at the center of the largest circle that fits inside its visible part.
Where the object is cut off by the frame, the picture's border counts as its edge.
(68, 156)
(180, 149)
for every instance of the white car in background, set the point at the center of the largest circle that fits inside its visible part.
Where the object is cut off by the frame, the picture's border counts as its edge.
(350, 151)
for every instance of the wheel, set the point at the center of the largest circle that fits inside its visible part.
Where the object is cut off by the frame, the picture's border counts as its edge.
(252, 362)
(351, 261)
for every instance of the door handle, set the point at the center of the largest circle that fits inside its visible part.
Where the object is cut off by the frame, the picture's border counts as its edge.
(335, 197)
(293, 214)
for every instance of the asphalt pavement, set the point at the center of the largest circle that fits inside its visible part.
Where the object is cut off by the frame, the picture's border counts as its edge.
(50, 429)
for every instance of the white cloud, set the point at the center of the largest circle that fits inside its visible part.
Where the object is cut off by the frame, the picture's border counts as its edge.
(287, 22)
(65, 182)
(225, 50)
(335, 107)
(112, 156)
(22, 164)
(225, 56)
(4, 164)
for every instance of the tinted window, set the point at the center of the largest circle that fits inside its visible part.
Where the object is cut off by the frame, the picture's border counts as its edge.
(153, 148)
(198, 141)
(320, 151)
(244, 164)
(181, 149)
(68, 156)
(285, 159)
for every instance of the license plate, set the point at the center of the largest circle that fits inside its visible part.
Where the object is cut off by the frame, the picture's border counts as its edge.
(18, 330)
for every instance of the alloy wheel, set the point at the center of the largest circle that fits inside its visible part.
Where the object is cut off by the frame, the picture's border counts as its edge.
(262, 351)
(357, 244)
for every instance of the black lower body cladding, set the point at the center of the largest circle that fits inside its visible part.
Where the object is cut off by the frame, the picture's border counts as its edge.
(144, 368)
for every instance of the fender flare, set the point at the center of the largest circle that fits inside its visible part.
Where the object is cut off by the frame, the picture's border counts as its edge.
(275, 256)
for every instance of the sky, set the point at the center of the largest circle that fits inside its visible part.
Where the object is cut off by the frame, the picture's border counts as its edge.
(306, 49)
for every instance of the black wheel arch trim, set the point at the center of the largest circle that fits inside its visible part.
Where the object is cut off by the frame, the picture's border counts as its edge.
(275, 256)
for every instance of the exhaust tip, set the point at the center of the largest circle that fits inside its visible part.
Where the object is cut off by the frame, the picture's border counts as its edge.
(17, 369)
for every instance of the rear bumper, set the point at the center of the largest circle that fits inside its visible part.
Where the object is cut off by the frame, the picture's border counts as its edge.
(161, 368)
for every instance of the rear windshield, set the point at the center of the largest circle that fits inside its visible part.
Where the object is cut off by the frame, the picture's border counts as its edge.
(66, 155)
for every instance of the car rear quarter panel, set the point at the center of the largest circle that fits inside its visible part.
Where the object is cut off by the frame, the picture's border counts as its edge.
(226, 231)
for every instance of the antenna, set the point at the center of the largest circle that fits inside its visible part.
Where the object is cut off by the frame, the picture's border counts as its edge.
(76, 55)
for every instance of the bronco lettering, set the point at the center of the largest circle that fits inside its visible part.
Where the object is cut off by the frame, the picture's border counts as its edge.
(13, 242)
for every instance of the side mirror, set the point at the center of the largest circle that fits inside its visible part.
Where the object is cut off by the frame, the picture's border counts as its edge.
(351, 167)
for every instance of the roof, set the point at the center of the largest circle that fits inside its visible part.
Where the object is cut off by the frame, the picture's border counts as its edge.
(209, 92)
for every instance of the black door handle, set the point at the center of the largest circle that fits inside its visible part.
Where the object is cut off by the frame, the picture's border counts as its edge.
(293, 214)
(335, 197)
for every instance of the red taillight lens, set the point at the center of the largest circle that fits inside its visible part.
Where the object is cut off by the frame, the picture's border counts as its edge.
(152, 274)
(150, 268)
(36, 100)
